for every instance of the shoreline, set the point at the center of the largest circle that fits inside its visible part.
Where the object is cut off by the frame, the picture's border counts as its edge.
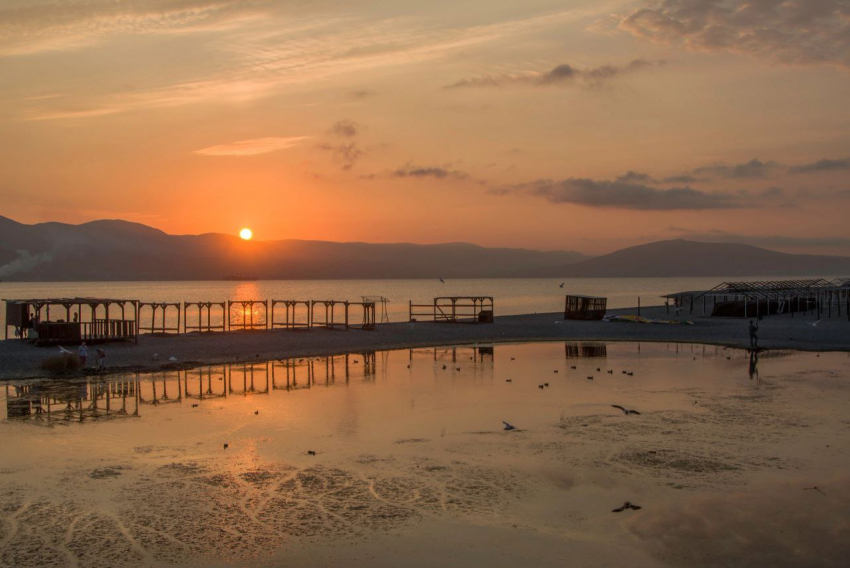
(23, 361)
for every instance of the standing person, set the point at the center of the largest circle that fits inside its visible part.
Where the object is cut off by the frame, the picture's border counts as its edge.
(83, 353)
(754, 340)
(100, 359)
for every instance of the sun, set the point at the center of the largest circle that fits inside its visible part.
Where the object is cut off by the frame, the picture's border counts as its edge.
(246, 234)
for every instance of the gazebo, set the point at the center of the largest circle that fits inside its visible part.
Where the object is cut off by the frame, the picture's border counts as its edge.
(85, 319)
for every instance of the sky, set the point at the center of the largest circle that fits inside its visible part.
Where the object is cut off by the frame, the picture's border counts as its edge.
(585, 125)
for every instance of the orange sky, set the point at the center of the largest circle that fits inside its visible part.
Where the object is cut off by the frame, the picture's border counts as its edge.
(586, 125)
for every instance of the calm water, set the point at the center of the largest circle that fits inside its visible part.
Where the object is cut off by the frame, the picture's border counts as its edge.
(512, 296)
(411, 461)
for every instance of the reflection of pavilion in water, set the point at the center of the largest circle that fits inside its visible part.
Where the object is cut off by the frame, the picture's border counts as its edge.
(481, 356)
(78, 401)
(585, 349)
(112, 398)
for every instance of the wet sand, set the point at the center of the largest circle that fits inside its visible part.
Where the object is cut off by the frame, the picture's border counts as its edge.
(19, 360)
(412, 466)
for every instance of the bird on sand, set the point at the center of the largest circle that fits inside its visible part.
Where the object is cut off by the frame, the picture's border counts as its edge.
(443, 281)
(610, 371)
(256, 412)
(509, 426)
(311, 452)
(625, 410)
(561, 285)
(598, 369)
(590, 377)
(540, 387)
(226, 446)
(194, 406)
(508, 380)
(444, 367)
(545, 384)
(626, 505)
(573, 367)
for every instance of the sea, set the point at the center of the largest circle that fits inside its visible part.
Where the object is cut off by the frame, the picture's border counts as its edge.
(511, 295)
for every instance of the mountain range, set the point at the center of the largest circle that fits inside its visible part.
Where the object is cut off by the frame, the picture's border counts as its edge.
(112, 250)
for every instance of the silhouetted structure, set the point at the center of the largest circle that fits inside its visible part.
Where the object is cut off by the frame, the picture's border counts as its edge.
(585, 307)
(454, 309)
(31, 320)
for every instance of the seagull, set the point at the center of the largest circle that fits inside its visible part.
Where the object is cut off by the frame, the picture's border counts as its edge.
(225, 446)
(626, 505)
(573, 367)
(311, 452)
(513, 358)
(556, 370)
(562, 285)
(508, 380)
(610, 371)
(590, 378)
(625, 410)
(458, 368)
(194, 406)
(598, 369)
(509, 426)
(545, 384)
(540, 387)
(631, 374)
(256, 412)
(443, 281)
(63, 350)
(444, 367)
(172, 358)
(814, 323)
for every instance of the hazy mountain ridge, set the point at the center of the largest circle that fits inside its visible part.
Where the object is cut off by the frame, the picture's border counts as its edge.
(682, 258)
(121, 250)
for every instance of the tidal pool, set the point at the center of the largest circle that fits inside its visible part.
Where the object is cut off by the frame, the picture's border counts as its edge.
(400, 458)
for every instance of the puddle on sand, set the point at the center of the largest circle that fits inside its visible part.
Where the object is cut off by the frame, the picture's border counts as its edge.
(364, 460)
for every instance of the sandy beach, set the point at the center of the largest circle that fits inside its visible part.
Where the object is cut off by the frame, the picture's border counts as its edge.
(21, 360)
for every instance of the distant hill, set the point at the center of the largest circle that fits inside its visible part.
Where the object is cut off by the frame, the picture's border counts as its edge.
(119, 250)
(681, 258)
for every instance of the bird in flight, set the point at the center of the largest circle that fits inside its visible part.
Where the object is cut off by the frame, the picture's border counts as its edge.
(625, 410)
(562, 285)
(626, 505)
(443, 281)
(815, 323)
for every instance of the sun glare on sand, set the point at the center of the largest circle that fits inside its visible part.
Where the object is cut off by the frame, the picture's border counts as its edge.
(246, 234)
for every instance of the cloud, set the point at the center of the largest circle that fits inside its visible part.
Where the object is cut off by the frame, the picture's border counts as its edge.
(437, 172)
(256, 55)
(622, 195)
(346, 154)
(821, 166)
(785, 31)
(753, 169)
(62, 26)
(345, 128)
(563, 74)
(252, 147)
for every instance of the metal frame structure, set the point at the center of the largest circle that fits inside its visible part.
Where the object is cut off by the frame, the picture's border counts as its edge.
(770, 297)
(379, 300)
(248, 306)
(455, 309)
(584, 307)
(201, 325)
(162, 327)
(291, 320)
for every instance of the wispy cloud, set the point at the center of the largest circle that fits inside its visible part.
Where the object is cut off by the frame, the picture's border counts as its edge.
(252, 147)
(262, 57)
(825, 165)
(621, 195)
(559, 75)
(437, 172)
(786, 31)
